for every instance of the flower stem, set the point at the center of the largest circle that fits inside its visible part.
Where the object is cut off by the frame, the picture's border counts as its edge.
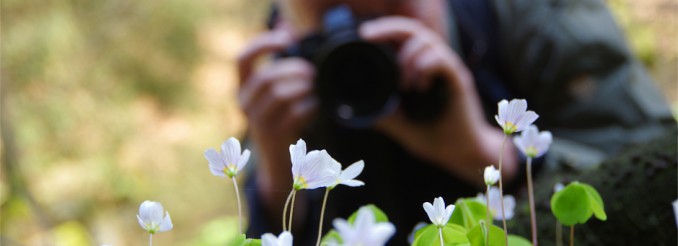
(488, 222)
(501, 187)
(237, 197)
(440, 232)
(284, 217)
(294, 196)
(559, 234)
(572, 235)
(322, 215)
(530, 189)
(150, 239)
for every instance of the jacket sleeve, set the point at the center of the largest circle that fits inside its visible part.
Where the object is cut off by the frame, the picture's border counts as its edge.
(571, 61)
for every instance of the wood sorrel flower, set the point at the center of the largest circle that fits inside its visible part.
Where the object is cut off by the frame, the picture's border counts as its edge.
(151, 219)
(495, 203)
(364, 231)
(348, 175)
(532, 142)
(313, 169)
(230, 161)
(438, 213)
(284, 239)
(491, 175)
(513, 116)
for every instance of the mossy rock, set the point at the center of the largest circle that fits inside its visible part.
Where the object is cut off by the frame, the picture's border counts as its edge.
(637, 188)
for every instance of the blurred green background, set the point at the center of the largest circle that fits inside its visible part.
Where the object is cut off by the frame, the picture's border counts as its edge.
(106, 104)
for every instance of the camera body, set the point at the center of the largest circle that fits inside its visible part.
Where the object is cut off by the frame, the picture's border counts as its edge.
(357, 81)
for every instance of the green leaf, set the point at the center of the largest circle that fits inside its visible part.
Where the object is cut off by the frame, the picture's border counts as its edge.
(379, 216)
(252, 242)
(468, 212)
(570, 205)
(514, 240)
(452, 235)
(595, 202)
(242, 240)
(477, 238)
(332, 236)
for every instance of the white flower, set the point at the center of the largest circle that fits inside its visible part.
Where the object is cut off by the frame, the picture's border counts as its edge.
(230, 161)
(495, 203)
(284, 239)
(675, 210)
(313, 169)
(348, 175)
(438, 213)
(513, 116)
(558, 187)
(364, 231)
(150, 217)
(491, 175)
(532, 142)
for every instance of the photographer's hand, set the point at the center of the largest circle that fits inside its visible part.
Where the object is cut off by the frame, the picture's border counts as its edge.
(277, 100)
(461, 141)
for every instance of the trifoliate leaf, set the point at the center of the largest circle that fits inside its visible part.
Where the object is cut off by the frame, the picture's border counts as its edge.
(379, 216)
(576, 203)
(595, 201)
(514, 240)
(476, 236)
(332, 236)
(429, 236)
(468, 212)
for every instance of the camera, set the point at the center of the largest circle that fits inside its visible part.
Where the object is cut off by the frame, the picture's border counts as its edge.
(357, 81)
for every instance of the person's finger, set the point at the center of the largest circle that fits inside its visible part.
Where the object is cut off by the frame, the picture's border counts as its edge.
(407, 55)
(265, 43)
(397, 126)
(299, 113)
(430, 64)
(390, 28)
(286, 69)
(280, 98)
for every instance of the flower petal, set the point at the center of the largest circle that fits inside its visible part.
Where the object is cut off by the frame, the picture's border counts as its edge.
(269, 239)
(285, 239)
(242, 162)
(230, 149)
(141, 223)
(430, 211)
(166, 224)
(151, 211)
(525, 120)
(352, 171)
(353, 183)
(297, 155)
(216, 163)
(380, 233)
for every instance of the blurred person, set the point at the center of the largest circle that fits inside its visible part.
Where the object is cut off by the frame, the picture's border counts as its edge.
(567, 58)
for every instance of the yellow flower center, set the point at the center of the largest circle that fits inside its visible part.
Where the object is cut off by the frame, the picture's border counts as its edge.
(509, 127)
(229, 170)
(300, 183)
(531, 151)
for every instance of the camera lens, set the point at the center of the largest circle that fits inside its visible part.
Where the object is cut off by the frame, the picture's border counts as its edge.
(357, 82)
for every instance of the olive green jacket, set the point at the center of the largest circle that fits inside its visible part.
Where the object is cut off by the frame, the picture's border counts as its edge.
(589, 90)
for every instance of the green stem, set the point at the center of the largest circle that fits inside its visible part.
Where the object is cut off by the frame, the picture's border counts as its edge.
(501, 187)
(572, 235)
(488, 222)
(322, 215)
(559, 234)
(440, 232)
(294, 196)
(237, 197)
(530, 189)
(284, 217)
